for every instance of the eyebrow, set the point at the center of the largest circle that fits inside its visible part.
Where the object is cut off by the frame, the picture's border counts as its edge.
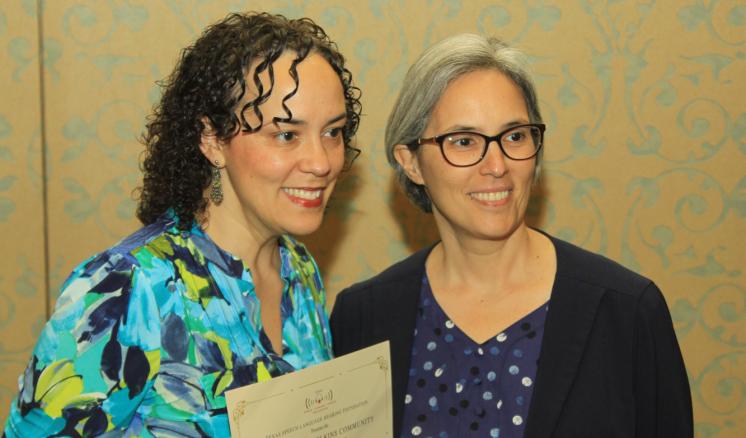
(508, 125)
(296, 122)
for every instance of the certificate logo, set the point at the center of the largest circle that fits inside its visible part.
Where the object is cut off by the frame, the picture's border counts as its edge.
(319, 399)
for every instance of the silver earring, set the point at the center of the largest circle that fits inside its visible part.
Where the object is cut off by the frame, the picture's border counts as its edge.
(216, 191)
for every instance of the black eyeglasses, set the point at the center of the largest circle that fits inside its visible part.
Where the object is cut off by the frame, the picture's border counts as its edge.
(467, 148)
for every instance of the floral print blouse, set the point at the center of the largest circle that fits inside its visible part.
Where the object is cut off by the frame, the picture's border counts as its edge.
(147, 336)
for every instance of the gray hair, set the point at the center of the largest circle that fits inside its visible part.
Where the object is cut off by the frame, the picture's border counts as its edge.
(428, 78)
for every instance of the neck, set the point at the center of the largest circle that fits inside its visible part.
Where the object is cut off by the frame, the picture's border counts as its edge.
(484, 266)
(232, 230)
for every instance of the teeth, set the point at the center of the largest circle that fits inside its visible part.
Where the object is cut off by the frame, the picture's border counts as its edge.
(489, 196)
(304, 194)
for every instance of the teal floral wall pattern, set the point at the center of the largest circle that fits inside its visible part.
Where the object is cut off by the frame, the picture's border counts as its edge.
(23, 291)
(644, 160)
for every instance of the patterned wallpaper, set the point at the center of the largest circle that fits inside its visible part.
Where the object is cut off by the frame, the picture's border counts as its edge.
(23, 290)
(646, 146)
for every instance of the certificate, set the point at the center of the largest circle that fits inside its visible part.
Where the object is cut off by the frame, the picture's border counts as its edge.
(346, 397)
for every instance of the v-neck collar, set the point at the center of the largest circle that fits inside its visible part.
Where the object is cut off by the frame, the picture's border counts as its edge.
(427, 299)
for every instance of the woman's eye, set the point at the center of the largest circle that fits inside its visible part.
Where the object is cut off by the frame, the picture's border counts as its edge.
(286, 136)
(461, 141)
(515, 136)
(334, 132)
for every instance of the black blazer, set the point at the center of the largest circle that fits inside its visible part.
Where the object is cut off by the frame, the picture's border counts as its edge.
(609, 365)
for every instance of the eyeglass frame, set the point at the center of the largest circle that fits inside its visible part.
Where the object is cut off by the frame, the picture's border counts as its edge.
(438, 140)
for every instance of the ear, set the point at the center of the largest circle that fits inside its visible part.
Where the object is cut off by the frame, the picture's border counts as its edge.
(407, 159)
(210, 145)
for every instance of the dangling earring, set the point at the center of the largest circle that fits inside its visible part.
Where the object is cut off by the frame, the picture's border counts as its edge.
(216, 191)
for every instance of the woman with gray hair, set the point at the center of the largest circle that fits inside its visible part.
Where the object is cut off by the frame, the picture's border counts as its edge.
(498, 329)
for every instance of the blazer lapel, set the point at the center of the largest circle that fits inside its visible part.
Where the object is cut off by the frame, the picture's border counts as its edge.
(572, 310)
(396, 315)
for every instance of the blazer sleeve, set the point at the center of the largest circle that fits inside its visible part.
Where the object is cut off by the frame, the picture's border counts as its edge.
(664, 405)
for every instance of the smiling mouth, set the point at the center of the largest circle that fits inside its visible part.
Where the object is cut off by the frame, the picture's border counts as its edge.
(306, 194)
(490, 196)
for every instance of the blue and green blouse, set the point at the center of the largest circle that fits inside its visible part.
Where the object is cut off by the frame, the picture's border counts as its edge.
(147, 336)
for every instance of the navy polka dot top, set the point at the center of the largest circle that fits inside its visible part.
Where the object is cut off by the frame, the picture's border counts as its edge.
(458, 388)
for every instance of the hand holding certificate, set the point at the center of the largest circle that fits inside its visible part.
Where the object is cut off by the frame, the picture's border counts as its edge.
(345, 397)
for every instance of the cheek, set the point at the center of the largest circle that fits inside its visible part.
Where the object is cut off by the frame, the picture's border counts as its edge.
(526, 180)
(529, 175)
(337, 159)
(266, 165)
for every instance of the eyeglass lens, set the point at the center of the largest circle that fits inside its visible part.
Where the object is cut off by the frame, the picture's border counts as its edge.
(467, 148)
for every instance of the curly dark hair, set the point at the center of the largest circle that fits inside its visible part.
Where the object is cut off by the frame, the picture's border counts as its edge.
(209, 81)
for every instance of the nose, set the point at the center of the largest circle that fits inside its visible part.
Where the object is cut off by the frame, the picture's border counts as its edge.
(494, 162)
(316, 158)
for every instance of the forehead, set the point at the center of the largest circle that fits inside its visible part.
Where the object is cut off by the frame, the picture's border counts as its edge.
(313, 67)
(485, 84)
(308, 91)
(481, 98)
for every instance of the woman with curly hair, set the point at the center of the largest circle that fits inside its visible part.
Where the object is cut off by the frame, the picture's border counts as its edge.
(243, 151)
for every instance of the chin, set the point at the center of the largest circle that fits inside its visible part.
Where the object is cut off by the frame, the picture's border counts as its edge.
(500, 231)
(304, 227)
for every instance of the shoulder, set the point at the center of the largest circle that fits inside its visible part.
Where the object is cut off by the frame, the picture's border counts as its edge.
(125, 251)
(97, 294)
(407, 270)
(113, 269)
(581, 265)
(379, 306)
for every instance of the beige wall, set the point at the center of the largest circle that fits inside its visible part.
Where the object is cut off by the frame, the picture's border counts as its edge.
(23, 290)
(644, 160)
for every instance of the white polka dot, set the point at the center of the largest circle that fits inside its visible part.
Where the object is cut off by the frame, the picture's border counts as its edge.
(427, 366)
(527, 381)
(499, 404)
(415, 332)
(407, 399)
(487, 395)
(416, 431)
(513, 370)
(495, 433)
(433, 401)
(501, 337)
(431, 346)
(439, 372)
(491, 376)
(517, 420)
(449, 324)
(459, 388)
(480, 351)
